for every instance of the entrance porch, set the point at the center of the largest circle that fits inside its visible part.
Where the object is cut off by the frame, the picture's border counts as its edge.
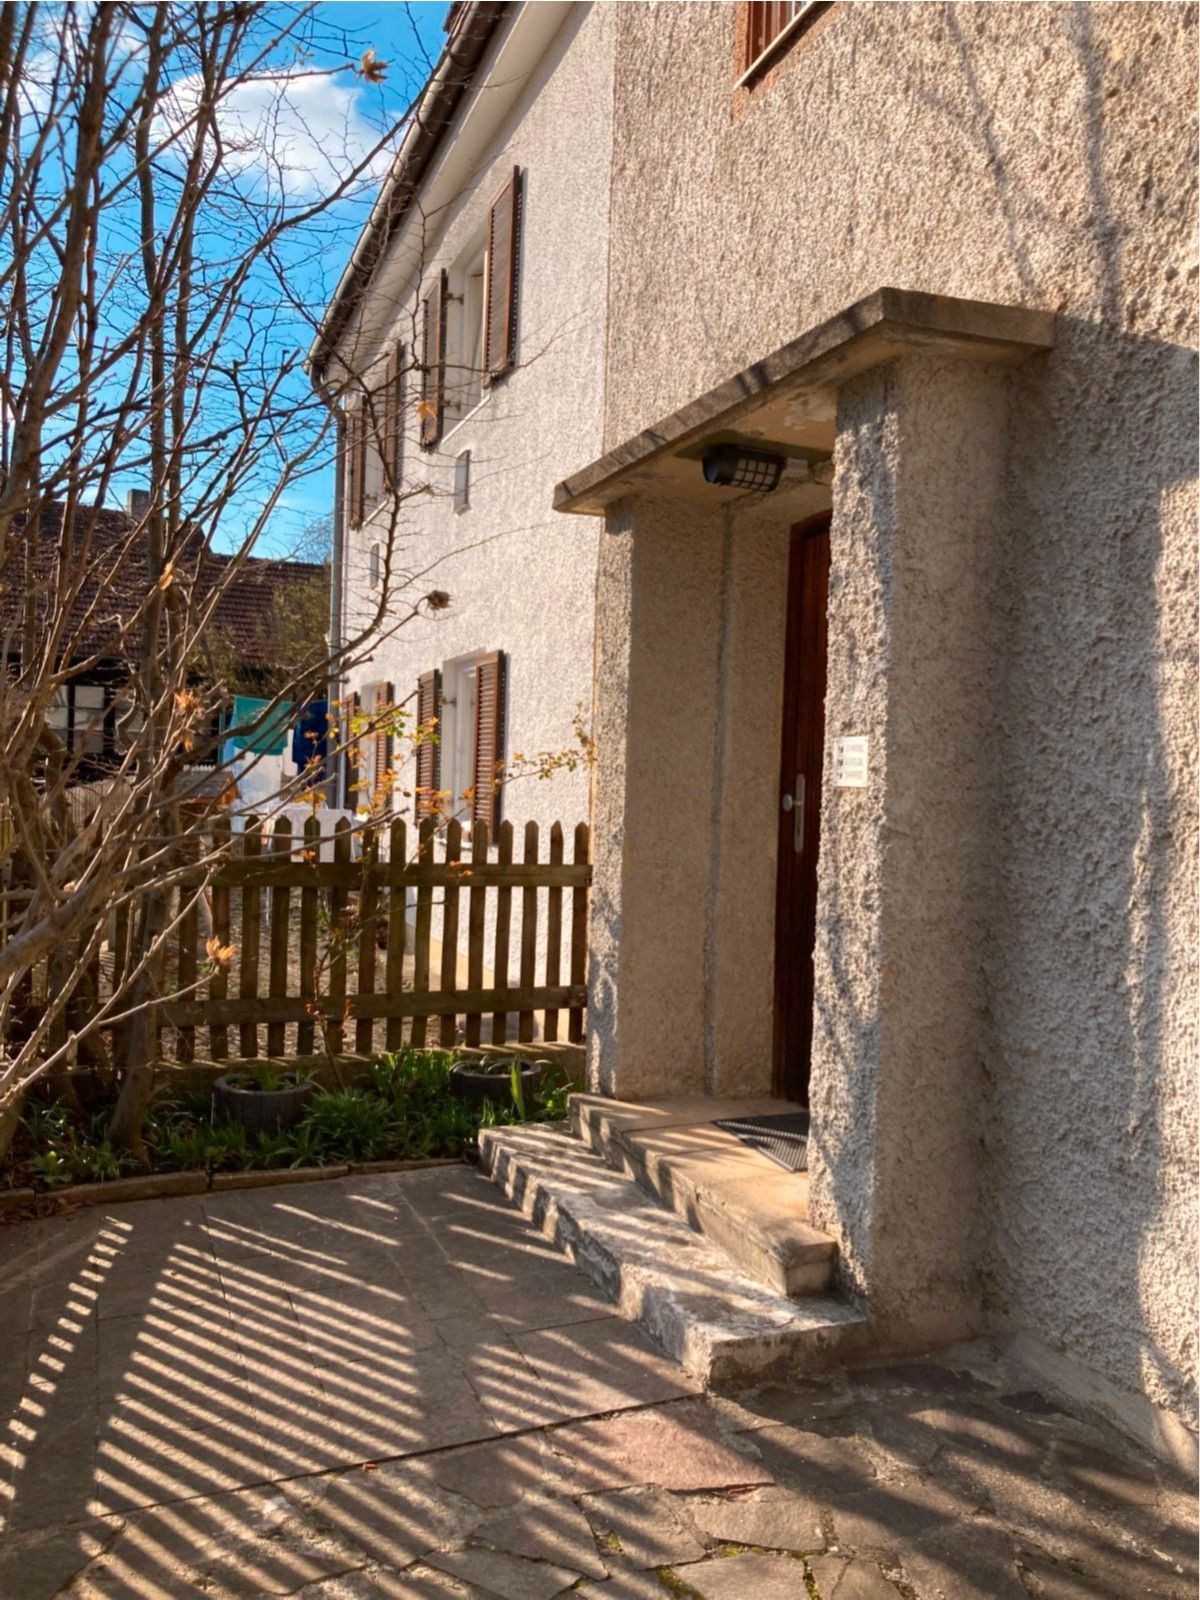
(890, 422)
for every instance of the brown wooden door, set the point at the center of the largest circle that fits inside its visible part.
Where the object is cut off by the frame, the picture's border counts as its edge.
(800, 803)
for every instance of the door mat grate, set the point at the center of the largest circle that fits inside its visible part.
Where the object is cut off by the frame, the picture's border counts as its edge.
(784, 1138)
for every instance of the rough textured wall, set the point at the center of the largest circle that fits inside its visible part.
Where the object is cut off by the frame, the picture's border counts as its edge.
(1041, 156)
(658, 684)
(904, 924)
(521, 578)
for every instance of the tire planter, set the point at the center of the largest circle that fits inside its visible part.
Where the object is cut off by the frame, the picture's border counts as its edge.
(261, 1110)
(473, 1085)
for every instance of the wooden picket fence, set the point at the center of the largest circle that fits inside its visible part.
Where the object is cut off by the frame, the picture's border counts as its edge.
(351, 971)
(338, 954)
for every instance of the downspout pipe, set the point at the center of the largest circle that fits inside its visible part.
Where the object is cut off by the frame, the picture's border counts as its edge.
(336, 684)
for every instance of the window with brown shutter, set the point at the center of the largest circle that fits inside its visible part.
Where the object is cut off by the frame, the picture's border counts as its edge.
(381, 747)
(433, 362)
(504, 257)
(429, 750)
(489, 739)
(356, 440)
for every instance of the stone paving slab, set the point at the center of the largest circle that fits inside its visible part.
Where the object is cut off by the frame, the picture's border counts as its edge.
(385, 1389)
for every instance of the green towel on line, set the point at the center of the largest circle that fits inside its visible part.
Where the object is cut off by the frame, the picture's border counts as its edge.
(267, 740)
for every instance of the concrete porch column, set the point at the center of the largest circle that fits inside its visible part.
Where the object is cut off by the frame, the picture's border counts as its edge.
(658, 629)
(915, 638)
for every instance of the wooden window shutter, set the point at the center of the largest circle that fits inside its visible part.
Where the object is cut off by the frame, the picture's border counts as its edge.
(489, 740)
(504, 257)
(429, 751)
(353, 517)
(393, 422)
(433, 361)
(349, 751)
(381, 748)
(360, 467)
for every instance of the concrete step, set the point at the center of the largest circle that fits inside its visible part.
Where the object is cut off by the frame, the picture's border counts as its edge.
(740, 1200)
(722, 1326)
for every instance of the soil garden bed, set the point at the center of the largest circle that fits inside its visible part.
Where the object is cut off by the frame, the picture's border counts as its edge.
(403, 1110)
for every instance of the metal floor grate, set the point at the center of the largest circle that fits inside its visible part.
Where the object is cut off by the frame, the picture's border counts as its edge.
(783, 1138)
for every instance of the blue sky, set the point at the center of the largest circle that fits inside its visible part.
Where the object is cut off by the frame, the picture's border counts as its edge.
(409, 37)
(300, 121)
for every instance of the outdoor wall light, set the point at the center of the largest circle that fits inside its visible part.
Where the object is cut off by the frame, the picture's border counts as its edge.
(733, 467)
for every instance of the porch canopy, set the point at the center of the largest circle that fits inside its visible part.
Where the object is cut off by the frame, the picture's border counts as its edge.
(789, 399)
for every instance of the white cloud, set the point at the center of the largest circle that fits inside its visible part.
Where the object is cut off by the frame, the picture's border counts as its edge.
(300, 136)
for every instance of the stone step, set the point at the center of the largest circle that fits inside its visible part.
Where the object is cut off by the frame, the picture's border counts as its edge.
(722, 1326)
(740, 1200)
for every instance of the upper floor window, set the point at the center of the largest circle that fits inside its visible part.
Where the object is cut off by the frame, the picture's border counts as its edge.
(461, 353)
(464, 382)
(374, 438)
(771, 25)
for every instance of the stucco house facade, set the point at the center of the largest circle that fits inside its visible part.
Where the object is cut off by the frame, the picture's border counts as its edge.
(465, 345)
(1002, 1050)
(891, 519)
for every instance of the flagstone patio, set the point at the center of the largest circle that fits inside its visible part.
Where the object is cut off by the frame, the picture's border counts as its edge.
(390, 1386)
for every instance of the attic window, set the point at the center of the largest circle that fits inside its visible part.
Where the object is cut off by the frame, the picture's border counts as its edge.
(770, 29)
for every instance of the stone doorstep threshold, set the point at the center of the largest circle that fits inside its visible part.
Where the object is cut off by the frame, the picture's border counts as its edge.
(157, 1186)
(736, 1197)
(724, 1327)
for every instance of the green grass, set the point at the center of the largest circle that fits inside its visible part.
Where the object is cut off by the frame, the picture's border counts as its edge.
(405, 1111)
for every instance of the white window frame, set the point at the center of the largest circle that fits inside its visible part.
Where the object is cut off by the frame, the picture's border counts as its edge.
(459, 691)
(467, 289)
(367, 775)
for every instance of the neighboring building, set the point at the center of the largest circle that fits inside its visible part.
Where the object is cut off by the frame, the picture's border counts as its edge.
(268, 619)
(924, 852)
(465, 345)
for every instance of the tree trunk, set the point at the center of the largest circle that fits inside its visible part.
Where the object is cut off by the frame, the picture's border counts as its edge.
(141, 1036)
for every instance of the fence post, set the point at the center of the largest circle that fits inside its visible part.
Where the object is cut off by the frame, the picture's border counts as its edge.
(397, 927)
(528, 932)
(424, 921)
(339, 934)
(368, 899)
(504, 852)
(251, 931)
(579, 933)
(309, 913)
(447, 1029)
(281, 907)
(477, 906)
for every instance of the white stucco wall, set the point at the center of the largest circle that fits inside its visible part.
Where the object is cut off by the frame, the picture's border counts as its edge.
(520, 579)
(1041, 156)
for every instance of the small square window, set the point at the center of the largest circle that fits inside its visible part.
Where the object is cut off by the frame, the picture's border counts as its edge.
(462, 481)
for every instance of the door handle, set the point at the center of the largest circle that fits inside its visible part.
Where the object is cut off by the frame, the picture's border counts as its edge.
(795, 804)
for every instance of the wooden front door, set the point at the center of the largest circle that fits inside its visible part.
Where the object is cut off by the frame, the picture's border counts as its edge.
(800, 803)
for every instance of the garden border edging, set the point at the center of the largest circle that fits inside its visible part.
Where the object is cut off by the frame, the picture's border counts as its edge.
(16, 1204)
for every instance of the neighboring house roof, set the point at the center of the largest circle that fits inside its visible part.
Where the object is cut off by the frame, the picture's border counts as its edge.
(257, 596)
(470, 25)
(247, 614)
